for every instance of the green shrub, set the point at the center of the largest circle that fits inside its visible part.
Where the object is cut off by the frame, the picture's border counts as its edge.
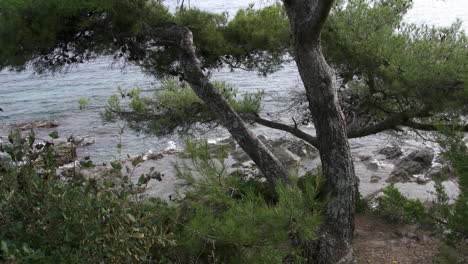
(228, 220)
(48, 219)
(453, 216)
(394, 206)
(220, 218)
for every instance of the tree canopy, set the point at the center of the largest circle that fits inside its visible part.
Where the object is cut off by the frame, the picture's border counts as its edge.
(392, 74)
(50, 35)
(388, 67)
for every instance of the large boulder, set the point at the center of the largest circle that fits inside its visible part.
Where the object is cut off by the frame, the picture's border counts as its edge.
(417, 162)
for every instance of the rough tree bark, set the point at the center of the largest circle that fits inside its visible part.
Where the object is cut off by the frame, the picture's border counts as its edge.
(335, 242)
(270, 166)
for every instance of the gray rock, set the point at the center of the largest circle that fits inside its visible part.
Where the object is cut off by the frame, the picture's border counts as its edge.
(417, 162)
(444, 170)
(38, 124)
(240, 155)
(4, 156)
(302, 149)
(155, 156)
(289, 151)
(364, 158)
(286, 156)
(228, 142)
(372, 165)
(375, 179)
(391, 152)
(85, 141)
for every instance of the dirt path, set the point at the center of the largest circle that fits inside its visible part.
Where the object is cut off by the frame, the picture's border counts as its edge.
(379, 242)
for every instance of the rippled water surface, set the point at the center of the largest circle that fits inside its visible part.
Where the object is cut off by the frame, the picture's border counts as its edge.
(25, 96)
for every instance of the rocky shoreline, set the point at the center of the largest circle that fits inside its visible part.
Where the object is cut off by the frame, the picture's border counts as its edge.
(411, 173)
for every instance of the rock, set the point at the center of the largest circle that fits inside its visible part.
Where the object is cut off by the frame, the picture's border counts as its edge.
(422, 180)
(262, 138)
(375, 179)
(442, 170)
(214, 148)
(373, 198)
(172, 151)
(155, 156)
(369, 161)
(237, 165)
(230, 142)
(38, 124)
(85, 141)
(302, 149)
(4, 156)
(398, 242)
(240, 155)
(372, 165)
(285, 156)
(416, 162)
(65, 153)
(364, 157)
(391, 152)
(289, 152)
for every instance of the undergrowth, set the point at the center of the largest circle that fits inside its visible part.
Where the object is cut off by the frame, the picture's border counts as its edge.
(218, 217)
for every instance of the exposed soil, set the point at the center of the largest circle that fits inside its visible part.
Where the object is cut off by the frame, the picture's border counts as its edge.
(378, 241)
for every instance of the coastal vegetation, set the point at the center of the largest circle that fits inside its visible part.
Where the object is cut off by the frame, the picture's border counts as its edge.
(51, 215)
(363, 69)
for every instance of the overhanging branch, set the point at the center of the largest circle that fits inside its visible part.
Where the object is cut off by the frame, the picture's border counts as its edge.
(391, 123)
(290, 129)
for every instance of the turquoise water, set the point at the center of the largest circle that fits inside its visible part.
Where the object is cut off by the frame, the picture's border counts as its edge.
(26, 96)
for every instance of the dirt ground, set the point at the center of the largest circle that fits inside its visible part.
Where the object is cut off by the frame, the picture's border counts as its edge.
(378, 242)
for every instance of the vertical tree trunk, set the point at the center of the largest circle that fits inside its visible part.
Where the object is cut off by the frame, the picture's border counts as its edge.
(307, 18)
(270, 166)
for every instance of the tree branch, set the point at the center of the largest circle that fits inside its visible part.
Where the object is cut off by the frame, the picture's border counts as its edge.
(428, 127)
(290, 129)
(391, 123)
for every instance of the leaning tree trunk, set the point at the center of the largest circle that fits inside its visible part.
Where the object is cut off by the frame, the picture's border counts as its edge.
(307, 18)
(270, 166)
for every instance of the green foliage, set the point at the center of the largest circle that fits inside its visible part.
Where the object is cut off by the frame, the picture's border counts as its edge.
(451, 255)
(207, 33)
(228, 220)
(453, 216)
(394, 206)
(402, 67)
(52, 34)
(258, 39)
(49, 219)
(362, 205)
(174, 107)
(84, 102)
